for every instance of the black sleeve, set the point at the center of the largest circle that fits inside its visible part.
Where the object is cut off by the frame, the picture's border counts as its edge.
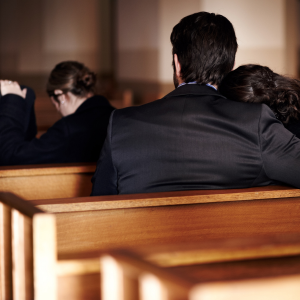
(15, 149)
(105, 179)
(30, 120)
(280, 150)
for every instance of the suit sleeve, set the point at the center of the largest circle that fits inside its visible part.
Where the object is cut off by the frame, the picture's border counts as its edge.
(105, 179)
(280, 150)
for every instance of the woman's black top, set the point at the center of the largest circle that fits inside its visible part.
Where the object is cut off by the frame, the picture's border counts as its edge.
(294, 128)
(75, 138)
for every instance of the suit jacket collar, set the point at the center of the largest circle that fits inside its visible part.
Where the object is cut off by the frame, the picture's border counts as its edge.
(194, 89)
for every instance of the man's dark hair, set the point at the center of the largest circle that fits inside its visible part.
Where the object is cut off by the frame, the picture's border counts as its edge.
(205, 44)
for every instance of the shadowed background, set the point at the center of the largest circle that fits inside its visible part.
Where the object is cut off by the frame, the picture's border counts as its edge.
(127, 42)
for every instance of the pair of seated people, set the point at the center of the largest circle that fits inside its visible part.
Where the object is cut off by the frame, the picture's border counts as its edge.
(200, 136)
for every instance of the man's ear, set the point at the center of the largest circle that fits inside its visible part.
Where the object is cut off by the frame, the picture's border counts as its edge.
(177, 66)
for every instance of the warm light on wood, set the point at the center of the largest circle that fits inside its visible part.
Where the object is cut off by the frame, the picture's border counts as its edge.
(112, 285)
(77, 267)
(152, 288)
(287, 288)
(44, 249)
(162, 199)
(5, 252)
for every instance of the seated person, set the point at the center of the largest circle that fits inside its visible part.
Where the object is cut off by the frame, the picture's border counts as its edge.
(194, 138)
(77, 137)
(258, 84)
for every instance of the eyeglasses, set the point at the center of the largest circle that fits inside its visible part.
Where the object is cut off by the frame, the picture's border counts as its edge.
(55, 96)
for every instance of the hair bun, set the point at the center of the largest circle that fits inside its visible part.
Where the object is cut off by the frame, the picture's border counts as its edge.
(72, 76)
(87, 80)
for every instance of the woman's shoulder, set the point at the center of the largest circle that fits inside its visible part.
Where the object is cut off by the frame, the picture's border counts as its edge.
(294, 127)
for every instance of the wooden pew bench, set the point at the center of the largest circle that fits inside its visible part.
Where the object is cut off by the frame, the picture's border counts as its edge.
(126, 276)
(48, 181)
(27, 250)
(132, 278)
(74, 272)
(129, 221)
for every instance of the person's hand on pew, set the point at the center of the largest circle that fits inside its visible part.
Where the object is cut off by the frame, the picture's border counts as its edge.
(12, 87)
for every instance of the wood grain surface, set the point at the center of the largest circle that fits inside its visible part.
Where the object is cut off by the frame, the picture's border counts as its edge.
(221, 250)
(46, 169)
(127, 228)
(165, 198)
(48, 181)
(241, 269)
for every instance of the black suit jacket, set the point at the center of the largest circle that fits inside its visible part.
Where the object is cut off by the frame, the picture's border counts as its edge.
(195, 138)
(75, 138)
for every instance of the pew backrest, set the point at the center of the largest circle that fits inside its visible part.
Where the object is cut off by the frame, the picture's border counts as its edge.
(27, 250)
(96, 203)
(48, 181)
(105, 222)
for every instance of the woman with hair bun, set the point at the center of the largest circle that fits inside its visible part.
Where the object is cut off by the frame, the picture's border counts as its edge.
(77, 137)
(258, 84)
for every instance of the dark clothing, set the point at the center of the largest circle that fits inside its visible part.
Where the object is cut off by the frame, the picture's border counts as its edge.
(195, 138)
(294, 128)
(30, 127)
(74, 138)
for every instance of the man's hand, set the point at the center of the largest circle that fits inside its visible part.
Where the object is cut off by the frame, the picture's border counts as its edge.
(11, 87)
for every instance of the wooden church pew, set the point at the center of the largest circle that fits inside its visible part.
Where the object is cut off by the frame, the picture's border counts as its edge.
(28, 243)
(48, 181)
(27, 250)
(81, 204)
(126, 276)
(83, 269)
(28, 257)
(124, 221)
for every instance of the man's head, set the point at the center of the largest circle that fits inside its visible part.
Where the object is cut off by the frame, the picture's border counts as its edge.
(205, 45)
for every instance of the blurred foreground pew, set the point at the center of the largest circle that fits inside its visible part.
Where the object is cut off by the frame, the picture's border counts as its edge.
(48, 181)
(128, 221)
(125, 276)
(128, 277)
(27, 250)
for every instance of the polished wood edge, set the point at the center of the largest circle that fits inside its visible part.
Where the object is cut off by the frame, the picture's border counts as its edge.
(134, 261)
(105, 203)
(273, 188)
(78, 267)
(19, 204)
(201, 256)
(211, 251)
(47, 169)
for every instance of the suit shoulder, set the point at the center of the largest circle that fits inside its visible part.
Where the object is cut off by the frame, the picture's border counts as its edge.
(133, 110)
